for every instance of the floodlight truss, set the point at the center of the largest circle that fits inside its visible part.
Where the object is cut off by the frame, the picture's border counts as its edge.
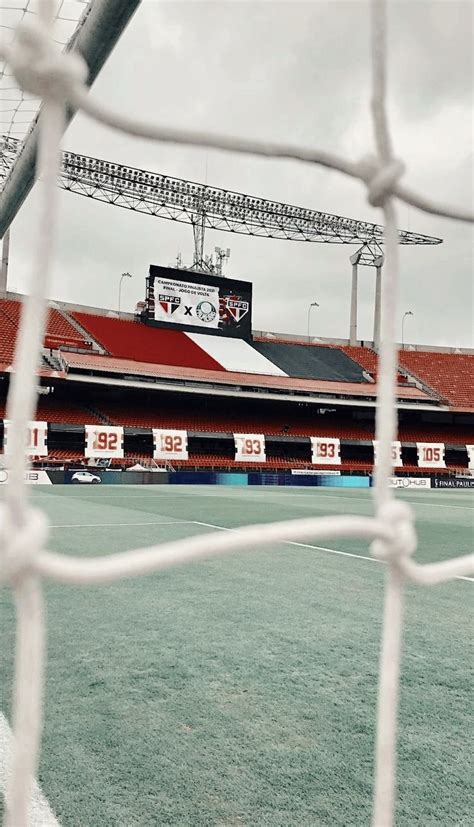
(204, 206)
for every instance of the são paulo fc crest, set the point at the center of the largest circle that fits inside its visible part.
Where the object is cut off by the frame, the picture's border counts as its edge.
(169, 303)
(206, 311)
(234, 309)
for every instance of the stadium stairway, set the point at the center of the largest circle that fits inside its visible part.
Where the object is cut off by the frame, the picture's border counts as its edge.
(59, 330)
(82, 331)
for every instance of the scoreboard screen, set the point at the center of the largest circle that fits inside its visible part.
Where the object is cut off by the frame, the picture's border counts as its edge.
(198, 302)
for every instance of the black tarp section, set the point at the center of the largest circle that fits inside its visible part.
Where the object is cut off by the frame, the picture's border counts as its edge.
(310, 362)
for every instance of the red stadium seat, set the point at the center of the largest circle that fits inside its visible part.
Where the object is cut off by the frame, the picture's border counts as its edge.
(451, 375)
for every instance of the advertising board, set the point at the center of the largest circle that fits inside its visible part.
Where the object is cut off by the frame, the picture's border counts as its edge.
(410, 482)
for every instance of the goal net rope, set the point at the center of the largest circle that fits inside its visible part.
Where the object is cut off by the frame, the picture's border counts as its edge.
(25, 561)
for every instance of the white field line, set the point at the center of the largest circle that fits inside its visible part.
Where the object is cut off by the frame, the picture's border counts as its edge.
(120, 525)
(41, 814)
(330, 496)
(327, 495)
(318, 548)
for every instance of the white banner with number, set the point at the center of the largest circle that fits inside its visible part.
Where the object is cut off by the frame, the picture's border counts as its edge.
(36, 439)
(397, 461)
(168, 444)
(470, 454)
(325, 450)
(182, 302)
(249, 448)
(431, 454)
(104, 441)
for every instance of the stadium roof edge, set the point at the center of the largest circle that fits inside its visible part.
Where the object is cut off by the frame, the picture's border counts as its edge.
(249, 394)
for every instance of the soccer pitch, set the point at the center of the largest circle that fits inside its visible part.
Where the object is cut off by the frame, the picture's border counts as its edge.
(242, 690)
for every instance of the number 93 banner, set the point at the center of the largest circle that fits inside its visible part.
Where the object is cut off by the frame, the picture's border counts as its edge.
(104, 441)
(325, 451)
(170, 444)
(249, 448)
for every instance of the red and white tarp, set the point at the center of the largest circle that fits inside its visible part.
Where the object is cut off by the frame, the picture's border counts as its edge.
(104, 441)
(235, 355)
(170, 444)
(249, 448)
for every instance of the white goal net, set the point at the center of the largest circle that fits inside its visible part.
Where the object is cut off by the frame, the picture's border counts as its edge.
(58, 79)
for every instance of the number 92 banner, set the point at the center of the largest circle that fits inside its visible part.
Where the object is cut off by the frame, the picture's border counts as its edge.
(170, 444)
(104, 441)
(325, 451)
(249, 448)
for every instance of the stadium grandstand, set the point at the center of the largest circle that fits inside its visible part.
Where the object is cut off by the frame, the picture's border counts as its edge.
(100, 368)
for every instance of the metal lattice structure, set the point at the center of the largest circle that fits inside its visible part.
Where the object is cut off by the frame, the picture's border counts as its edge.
(93, 35)
(17, 107)
(206, 207)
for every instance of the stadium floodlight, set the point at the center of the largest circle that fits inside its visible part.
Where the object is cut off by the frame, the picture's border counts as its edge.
(313, 304)
(189, 202)
(122, 277)
(407, 313)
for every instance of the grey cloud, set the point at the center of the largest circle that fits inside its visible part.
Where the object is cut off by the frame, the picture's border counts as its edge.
(289, 71)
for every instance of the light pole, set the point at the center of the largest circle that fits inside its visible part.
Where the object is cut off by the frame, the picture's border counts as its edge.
(122, 277)
(407, 313)
(313, 304)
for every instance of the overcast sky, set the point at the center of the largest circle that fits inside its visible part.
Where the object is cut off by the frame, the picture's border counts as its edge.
(293, 71)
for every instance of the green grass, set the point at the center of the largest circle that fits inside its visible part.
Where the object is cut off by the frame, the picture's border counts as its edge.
(241, 691)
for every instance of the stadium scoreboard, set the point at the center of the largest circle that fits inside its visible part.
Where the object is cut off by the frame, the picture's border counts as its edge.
(198, 302)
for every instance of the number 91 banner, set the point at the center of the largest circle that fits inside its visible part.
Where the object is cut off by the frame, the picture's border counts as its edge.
(431, 454)
(249, 448)
(170, 444)
(325, 451)
(36, 439)
(104, 441)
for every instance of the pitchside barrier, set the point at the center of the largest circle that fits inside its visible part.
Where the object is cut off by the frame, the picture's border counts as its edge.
(310, 479)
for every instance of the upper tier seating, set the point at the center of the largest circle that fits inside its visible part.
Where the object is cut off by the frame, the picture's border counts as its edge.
(7, 338)
(50, 409)
(134, 340)
(164, 414)
(451, 375)
(368, 359)
(59, 331)
(193, 419)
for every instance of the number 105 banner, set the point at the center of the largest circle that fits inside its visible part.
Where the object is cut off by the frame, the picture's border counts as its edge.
(170, 444)
(36, 439)
(249, 448)
(325, 451)
(104, 441)
(431, 454)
